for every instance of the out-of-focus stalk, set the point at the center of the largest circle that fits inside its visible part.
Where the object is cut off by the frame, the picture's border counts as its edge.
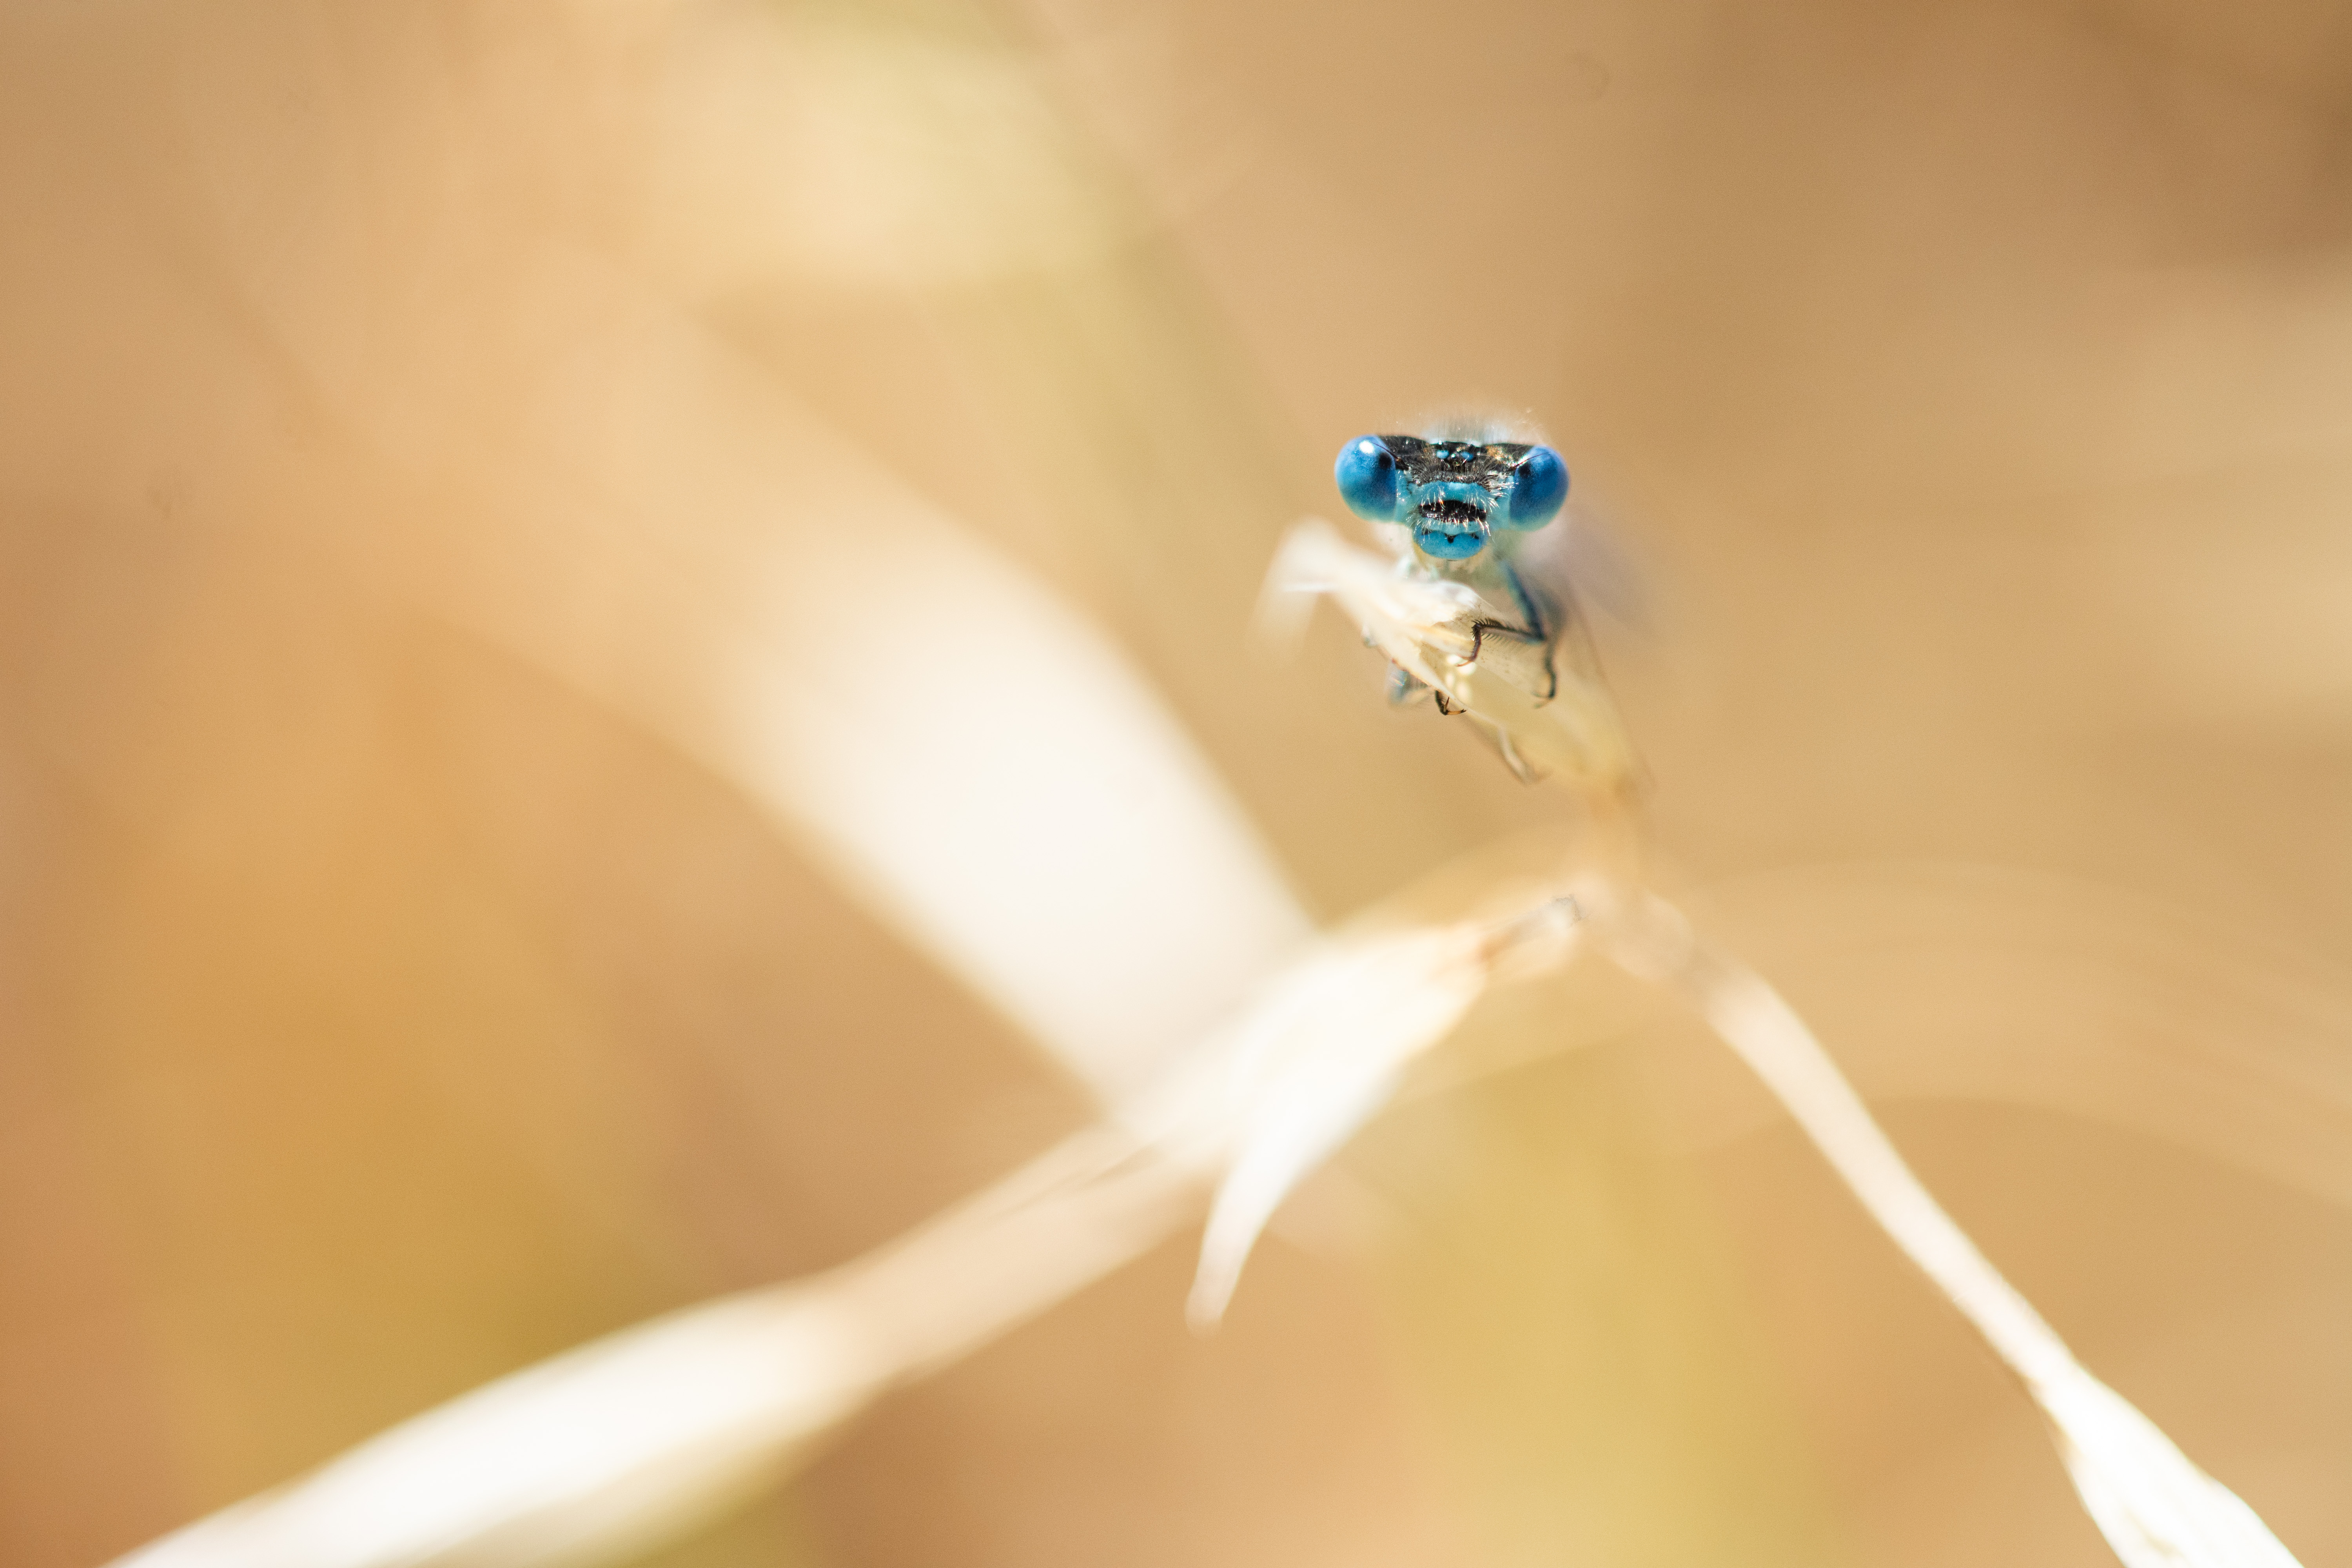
(599, 1453)
(2157, 1509)
(611, 1448)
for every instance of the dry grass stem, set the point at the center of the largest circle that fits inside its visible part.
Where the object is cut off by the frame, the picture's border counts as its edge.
(622, 735)
(2157, 1509)
(2155, 1506)
(592, 1457)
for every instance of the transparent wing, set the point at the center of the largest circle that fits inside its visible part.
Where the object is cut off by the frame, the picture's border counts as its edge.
(1581, 560)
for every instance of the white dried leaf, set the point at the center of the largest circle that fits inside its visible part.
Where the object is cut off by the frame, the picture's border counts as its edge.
(1312, 1065)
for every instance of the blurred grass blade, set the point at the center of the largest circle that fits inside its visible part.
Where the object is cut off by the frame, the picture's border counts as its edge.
(1325, 1051)
(599, 1454)
(578, 1459)
(1317, 1061)
(2157, 1509)
(595, 1454)
(965, 753)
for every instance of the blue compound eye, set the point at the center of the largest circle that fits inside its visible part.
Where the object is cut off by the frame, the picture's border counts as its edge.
(1539, 487)
(1367, 479)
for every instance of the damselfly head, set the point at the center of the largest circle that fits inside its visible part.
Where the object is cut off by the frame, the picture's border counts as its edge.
(1454, 495)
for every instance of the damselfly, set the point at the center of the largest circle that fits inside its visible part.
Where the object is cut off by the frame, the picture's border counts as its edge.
(1474, 606)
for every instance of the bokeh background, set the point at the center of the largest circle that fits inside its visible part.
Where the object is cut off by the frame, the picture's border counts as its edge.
(397, 984)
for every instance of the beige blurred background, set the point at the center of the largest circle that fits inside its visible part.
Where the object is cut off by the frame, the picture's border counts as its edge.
(384, 1004)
